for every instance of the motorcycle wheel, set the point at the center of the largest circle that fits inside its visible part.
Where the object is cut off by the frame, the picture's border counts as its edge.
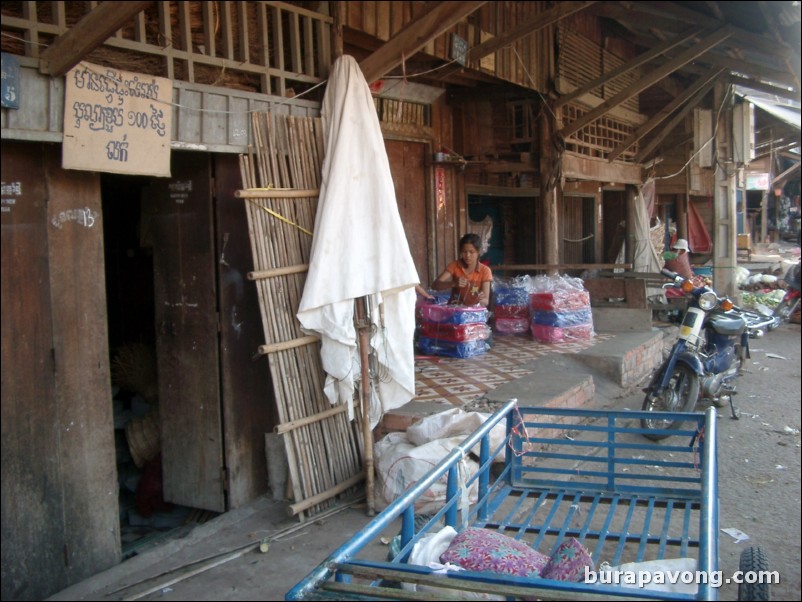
(679, 396)
(743, 358)
(754, 562)
(786, 308)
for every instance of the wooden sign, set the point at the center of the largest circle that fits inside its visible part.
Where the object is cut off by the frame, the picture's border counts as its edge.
(117, 121)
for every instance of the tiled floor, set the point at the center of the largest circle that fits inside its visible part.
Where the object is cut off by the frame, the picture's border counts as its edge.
(460, 381)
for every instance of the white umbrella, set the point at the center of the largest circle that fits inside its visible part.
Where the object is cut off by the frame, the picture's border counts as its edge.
(359, 249)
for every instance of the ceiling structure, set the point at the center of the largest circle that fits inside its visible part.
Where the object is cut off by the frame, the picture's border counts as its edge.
(755, 46)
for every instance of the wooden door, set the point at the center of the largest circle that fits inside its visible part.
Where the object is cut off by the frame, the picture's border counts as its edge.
(185, 296)
(409, 178)
(249, 408)
(578, 225)
(60, 511)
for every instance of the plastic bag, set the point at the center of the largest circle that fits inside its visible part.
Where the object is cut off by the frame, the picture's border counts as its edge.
(429, 346)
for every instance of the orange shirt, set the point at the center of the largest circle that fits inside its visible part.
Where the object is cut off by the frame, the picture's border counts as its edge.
(468, 295)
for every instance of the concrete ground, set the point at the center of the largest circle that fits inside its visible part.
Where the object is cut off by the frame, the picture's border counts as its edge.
(258, 553)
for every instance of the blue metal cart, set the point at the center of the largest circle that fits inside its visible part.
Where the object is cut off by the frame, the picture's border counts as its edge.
(584, 474)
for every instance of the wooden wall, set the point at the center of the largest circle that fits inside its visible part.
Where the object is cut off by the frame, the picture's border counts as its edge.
(59, 502)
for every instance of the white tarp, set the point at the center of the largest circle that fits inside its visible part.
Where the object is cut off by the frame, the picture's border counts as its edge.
(359, 249)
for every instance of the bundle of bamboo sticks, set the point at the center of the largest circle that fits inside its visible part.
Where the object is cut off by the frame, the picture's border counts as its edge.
(281, 189)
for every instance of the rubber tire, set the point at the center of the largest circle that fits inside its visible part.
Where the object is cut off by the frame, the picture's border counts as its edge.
(686, 375)
(785, 309)
(753, 559)
(742, 358)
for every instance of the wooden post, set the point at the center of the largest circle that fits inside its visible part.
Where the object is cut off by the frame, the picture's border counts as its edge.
(682, 217)
(363, 327)
(549, 180)
(631, 226)
(338, 13)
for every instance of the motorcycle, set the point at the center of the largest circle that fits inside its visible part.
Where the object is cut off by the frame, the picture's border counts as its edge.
(710, 351)
(790, 301)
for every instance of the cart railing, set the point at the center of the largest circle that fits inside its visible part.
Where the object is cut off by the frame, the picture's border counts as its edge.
(568, 465)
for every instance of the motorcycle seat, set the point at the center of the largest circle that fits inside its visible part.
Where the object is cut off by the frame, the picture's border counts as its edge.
(728, 325)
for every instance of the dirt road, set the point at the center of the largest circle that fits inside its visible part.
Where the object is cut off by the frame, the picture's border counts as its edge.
(759, 462)
(759, 487)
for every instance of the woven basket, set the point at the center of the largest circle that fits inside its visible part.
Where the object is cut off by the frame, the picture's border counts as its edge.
(144, 438)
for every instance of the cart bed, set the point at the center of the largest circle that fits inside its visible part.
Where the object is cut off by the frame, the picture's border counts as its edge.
(589, 475)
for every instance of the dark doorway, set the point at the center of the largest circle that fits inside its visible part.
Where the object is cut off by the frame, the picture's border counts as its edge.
(144, 514)
(513, 239)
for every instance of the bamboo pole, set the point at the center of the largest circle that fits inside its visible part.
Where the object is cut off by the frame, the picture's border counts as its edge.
(306, 504)
(367, 435)
(276, 193)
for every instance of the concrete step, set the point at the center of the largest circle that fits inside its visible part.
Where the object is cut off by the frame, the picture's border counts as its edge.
(604, 371)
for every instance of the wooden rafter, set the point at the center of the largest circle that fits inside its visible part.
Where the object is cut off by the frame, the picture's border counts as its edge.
(657, 15)
(634, 63)
(69, 49)
(752, 84)
(740, 37)
(527, 27)
(771, 20)
(674, 122)
(701, 85)
(781, 178)
(711, 41)
(751, 69)
(437, 18)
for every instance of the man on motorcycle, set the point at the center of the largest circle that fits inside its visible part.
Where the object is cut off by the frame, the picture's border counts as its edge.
(792, 281)
(679, 261)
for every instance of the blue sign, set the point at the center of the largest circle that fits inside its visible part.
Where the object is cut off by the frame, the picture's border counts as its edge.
(10, 90)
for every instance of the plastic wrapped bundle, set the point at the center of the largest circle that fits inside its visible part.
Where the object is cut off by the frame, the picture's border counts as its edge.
(512, 325)
(557, 334)
(559, 300)
(508, 295)
(508, 312)
(455, 333)
(431, 346)
(563, 318)
(453, 314)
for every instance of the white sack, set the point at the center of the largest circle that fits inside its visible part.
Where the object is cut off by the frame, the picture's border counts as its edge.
(400, 464)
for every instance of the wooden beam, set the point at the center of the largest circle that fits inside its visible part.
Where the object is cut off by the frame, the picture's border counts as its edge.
(338, 13)
(703, 83)
(437, 18)
(674, 122)
(683, 58)
(582, 167)
(746, 39)
(777, 149)
(527, 27)
(636, 62)
(752, 84)
(70, 48)
(753, 69)
(771, 18)
(781, 178)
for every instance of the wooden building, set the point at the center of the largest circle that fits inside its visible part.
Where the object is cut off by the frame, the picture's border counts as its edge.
(544, 116)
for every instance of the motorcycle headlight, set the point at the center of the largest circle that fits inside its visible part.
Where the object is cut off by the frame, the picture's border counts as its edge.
(708, 300)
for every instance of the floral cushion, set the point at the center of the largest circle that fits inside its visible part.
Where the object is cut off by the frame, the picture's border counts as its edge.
(568, 562)
(486, 550)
